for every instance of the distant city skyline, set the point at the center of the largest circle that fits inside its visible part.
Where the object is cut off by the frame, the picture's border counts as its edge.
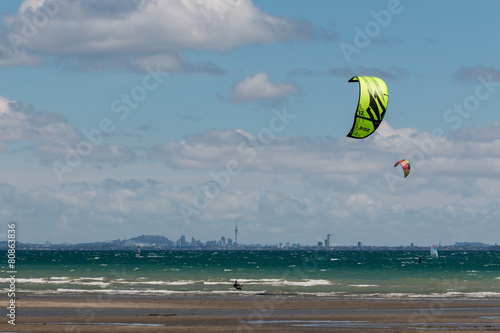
(159, 242)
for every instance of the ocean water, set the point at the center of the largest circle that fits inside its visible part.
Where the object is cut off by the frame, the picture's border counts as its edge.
(468, 274)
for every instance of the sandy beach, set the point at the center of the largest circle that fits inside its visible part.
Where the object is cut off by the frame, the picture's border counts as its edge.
(243, 313)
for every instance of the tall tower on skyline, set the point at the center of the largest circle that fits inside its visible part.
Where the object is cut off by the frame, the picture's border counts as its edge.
(328, 241)
(236, 233)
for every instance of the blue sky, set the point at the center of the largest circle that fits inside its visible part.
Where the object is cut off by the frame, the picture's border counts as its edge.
(121, 118)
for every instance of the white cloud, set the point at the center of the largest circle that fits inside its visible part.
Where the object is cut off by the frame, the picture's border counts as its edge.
(131, 33)
(12, 58)
(341, 161)
(72, 210)
(258, 87)
(19, 123)
(50, 137)
(440, 166)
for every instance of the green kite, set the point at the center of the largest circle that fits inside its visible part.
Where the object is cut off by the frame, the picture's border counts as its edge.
(373, 98)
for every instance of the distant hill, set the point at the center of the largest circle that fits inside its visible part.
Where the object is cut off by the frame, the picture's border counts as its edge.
(470, 244)
(148, 239)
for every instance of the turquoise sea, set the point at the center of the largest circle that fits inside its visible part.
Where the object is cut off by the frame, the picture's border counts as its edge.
(468, 274)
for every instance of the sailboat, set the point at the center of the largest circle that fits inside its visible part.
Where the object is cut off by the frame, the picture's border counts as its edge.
(434, 252)
(138, 255)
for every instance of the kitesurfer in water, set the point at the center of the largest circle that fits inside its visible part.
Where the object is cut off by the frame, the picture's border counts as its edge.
(237, 285)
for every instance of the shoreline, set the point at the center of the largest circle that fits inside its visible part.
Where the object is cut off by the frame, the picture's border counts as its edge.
(255, 313)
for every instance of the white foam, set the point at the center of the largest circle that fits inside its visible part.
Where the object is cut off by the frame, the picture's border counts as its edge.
(95, 283)
(230, 291)
(307, 283)
(281, 282)
(30, 280)
(91, 278)
(165, 283)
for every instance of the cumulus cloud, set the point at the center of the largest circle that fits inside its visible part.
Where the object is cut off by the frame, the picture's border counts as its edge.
(342, 163)
(19, 123)
(259, 87)
(278, 154)
(11, 58)
(93, 35)
(123, 209)
(50, 137)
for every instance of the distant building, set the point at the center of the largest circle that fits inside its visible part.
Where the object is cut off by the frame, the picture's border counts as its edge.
(360, 244)
(223, 239)
(229, 241)
(320, 243)
(328, 241)
(181, 242)
(236, 233)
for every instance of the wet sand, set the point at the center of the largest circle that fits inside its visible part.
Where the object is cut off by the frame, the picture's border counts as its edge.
(243, 313)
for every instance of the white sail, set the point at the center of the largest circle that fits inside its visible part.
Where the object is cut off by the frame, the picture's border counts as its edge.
(434, 252)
